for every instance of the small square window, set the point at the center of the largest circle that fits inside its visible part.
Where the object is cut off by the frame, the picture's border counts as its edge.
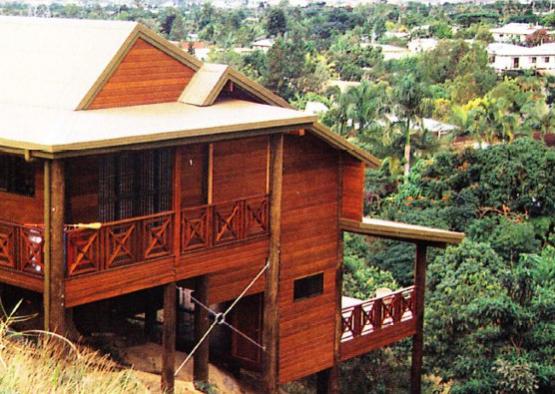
(546, 59)
(534, 59)
(309, 286)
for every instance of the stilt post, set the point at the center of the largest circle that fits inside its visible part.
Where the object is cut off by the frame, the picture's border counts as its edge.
(270, 330)
(202, 323)
(418, 338)
(168, 339)
(54, 246)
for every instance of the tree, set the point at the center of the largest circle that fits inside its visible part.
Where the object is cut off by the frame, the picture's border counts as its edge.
(409, 93)
(276, 23)
(178, 32)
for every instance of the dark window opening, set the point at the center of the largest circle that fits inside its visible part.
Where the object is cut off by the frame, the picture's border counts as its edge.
(17, 176)
(135, 184)
(310, 286)
(534, 59)
(546, 59)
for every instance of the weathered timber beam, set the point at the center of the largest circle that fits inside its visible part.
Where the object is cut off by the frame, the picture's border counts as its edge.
(202, 323)
(54, 262)
(270, 330)
(168, 339)
(418, 338)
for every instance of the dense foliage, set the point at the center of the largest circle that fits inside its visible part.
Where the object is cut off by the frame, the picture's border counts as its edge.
(490, 322)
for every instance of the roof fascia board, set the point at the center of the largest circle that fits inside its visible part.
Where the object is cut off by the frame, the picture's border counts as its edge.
(257, 89)
(383, 231)
(341, 143)
(205, 138)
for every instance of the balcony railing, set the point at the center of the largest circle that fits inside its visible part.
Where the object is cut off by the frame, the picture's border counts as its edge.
(378, 314)
(104, 246)
(22, 248)
(119, 243)
(217, 224)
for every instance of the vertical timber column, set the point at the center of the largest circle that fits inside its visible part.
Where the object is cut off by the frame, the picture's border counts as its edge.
(418, 338)
(54, 248)
(327, 381)
(202, 323)
(176, 203)
(168, 339)
(270, 329)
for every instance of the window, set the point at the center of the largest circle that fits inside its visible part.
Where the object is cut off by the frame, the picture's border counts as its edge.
(309, 286)
(546, 59)
(534, 59)
(17, 175)
(135, 184)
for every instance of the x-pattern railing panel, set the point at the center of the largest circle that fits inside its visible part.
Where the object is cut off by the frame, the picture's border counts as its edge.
(83, 251)
(195, 228)
(8, 245)
(157, 237)
(377, 313)
(217, 224)
(31, 250)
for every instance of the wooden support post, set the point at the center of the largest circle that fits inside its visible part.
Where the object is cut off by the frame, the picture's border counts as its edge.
(54, 247)
(418, 338)
(327, 381)
(202, 323)
(176, 203)
(150, 315)
(168, 338)
(270, 330)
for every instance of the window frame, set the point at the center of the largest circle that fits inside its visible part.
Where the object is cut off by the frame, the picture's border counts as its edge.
(319, 288)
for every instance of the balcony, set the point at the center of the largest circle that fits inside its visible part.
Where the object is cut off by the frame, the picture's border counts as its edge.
(377, 322)
(100, 247)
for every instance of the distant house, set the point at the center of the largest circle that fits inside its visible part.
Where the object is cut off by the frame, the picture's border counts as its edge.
(316, 108)
(422, 45)
(514, 32)
(509, 57)
(263, 44)
(396, 34)
(392, 52)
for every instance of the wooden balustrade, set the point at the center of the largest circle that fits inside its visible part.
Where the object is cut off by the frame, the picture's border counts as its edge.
(119, 243)
(134, 240)
(22, 247)
(217, 224)
(378, 313)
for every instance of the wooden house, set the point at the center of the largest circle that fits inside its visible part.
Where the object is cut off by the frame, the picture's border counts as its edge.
(127, 165)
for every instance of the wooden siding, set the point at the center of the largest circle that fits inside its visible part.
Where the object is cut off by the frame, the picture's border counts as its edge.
(83, 190)
(309, 245)
(24, 209)
(353, 188)
(127, 279)
(146, 75)
(194, 175)
(222, 260)
(367, 343)
(240, 168)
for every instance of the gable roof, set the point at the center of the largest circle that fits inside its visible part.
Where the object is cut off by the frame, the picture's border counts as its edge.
(53, 69)
(206, 84)
(39, 69)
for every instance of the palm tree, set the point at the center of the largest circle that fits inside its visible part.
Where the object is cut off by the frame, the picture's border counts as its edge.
(409, 94)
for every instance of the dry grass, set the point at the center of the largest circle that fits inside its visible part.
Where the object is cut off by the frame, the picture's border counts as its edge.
(39, 362)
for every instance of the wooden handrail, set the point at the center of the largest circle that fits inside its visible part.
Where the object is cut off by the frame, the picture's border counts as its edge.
(378, 313)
